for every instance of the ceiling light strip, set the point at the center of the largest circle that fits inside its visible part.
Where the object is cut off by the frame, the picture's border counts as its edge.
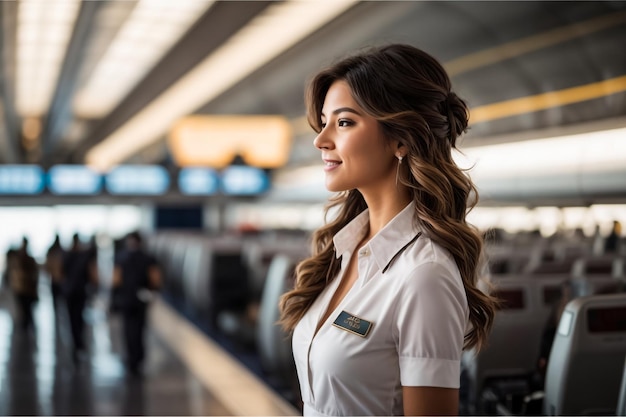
(588, 166)
(547, 100)
(152, 28)
(600, 150)
(44, 29)
(281, 26)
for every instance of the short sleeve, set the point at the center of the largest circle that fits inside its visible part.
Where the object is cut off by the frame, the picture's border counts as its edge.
(430, 324)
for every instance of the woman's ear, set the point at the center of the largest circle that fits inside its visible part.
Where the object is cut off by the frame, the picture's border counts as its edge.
(401, 150)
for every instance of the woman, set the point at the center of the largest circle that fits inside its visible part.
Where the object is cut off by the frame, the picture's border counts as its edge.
(383, 309)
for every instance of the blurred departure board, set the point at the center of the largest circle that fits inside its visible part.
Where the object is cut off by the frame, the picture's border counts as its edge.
(244, 180)
(21, 179)
(137, 180)
(74, 180)
(198, 181)
(128, 180)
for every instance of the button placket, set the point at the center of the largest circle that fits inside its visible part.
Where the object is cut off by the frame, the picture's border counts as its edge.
(364, 265)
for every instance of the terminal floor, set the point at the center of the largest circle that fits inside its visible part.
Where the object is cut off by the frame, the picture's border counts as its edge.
(191, 377)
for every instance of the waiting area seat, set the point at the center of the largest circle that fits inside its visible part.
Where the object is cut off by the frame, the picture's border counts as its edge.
(587, 358)
(527, 304)
(273, 342)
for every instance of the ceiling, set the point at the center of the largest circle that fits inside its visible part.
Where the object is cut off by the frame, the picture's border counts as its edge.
(524, 68)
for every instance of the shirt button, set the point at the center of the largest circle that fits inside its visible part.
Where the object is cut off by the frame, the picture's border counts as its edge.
(364, 252)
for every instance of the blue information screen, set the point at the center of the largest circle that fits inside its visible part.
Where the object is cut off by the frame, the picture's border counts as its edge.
(74, 180)
(21, 179)
(198, 181)
(138, 179)
(244, 180)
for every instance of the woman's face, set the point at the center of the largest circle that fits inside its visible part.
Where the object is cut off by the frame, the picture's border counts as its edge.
(355, 153)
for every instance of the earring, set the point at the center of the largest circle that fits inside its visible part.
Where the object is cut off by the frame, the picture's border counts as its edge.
(398, 168)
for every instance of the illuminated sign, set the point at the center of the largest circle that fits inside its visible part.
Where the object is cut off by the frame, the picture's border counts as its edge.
(262, 141)
(198, 181)
(74, 180)
(138, 179)
(244, 180)
(21, 179)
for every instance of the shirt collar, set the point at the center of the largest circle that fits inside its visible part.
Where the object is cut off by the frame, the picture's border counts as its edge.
(386, 243)
(351, 234)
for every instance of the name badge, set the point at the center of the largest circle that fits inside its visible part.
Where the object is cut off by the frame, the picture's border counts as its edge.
(353, 324)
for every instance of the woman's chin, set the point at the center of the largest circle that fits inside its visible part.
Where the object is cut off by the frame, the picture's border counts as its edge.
(334, 188)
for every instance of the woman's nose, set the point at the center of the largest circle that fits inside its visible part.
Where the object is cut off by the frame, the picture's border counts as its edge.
(322, 141)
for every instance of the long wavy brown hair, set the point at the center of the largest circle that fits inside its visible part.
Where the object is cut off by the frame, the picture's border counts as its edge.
(409, 93)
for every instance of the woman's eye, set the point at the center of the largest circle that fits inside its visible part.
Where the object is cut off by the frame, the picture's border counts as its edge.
(344, 123)
(322, 125)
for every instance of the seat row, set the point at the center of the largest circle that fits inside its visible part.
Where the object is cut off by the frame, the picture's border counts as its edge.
(232, 285)
(531, 303)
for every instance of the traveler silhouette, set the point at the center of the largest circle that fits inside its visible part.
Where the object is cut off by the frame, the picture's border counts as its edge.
(135, 276)
(79, 270)
(612, 243)
(54, 269)
(23, 278)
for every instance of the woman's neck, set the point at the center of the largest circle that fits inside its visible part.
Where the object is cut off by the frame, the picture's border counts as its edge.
(382, 210)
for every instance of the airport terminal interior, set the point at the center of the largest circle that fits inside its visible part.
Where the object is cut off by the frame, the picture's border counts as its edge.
(184, 121)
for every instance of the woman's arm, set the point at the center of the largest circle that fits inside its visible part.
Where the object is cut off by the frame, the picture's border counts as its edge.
(430, 401)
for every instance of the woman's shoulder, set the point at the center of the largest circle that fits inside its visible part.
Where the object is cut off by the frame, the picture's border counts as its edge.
(426, 252)
(426, 263)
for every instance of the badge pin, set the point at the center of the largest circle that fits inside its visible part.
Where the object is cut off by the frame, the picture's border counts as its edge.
(353, 324)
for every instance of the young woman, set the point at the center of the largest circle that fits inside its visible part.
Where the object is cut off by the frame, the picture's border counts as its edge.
(383, 309)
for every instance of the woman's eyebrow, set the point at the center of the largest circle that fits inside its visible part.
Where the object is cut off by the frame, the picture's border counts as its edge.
(344, 109)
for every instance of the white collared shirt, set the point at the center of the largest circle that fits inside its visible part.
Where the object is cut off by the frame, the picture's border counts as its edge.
(417, 313)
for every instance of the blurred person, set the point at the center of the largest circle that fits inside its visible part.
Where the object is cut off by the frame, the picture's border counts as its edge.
(24, 277)
(54, 269)
(597, 242)
(383, 309)
(79, 271)
(135, 275)
(612, 242)
(9, 266)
